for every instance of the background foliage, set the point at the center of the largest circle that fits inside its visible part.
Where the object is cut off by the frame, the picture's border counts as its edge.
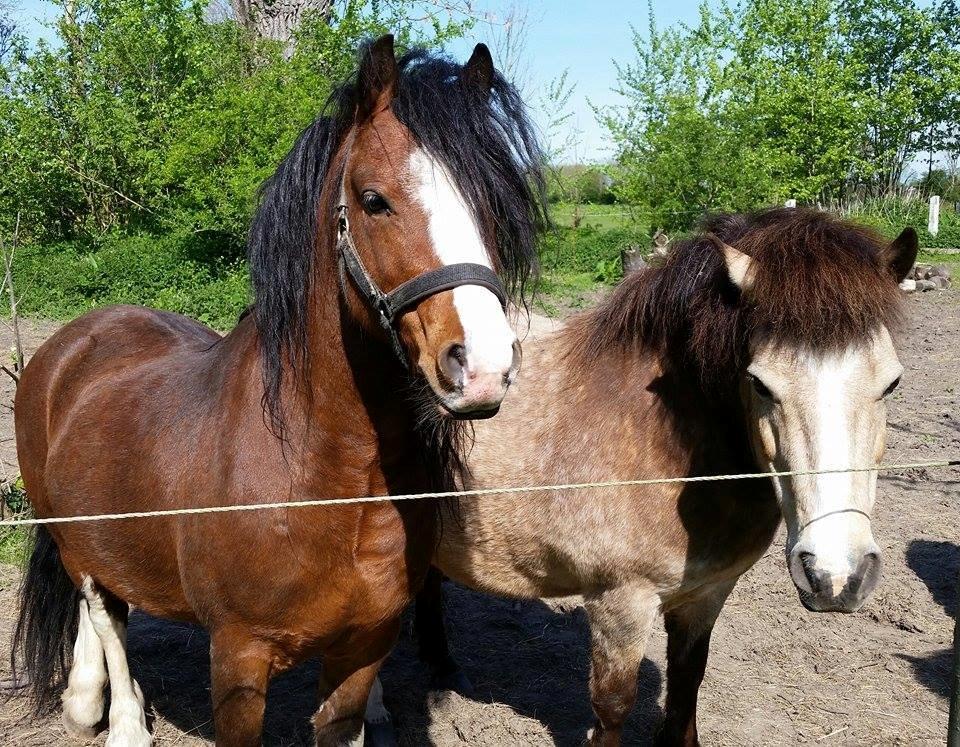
(132, 147)
(770, 99)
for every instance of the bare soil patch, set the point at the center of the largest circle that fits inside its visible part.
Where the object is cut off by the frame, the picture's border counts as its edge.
(778, 675)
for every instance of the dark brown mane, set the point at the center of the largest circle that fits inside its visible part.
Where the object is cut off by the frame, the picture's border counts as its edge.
(820, 283)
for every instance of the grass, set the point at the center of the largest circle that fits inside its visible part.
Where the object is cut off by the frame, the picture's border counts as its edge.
(939, 258)
(14, 544)
(563, 291)
(14, 541)
(603, 217)
(179, 273)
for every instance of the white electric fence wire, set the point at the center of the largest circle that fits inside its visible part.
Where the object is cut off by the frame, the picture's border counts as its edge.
(474, 493)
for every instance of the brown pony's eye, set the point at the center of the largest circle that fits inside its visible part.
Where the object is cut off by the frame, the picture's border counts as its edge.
(374, 203)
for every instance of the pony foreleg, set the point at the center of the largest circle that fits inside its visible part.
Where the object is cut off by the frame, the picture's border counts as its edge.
(239, 673)
(83, 699)
(432, 644)
(620, 622)
(377, 724)
(688, 643)
(108, 618)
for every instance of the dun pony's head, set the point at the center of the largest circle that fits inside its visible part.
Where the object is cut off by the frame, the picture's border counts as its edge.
(817, 296)
(783, 316)
(437, 165)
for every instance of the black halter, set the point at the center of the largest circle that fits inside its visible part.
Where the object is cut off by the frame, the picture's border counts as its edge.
(389, 306)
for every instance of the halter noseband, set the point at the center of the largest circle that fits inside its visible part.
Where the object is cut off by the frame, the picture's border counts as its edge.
(389, 306)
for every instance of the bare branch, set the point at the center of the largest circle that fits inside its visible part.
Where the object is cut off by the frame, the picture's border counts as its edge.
(99, 183)
(8, 285)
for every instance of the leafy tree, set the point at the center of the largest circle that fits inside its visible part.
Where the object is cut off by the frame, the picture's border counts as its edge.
(770, 100)
(905, 59)
(680, 151)
(148, 117)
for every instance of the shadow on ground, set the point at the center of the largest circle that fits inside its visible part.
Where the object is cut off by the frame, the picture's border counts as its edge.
(545, 678)
(937, 564)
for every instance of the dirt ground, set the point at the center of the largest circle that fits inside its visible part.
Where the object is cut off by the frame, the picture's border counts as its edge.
(778, 675)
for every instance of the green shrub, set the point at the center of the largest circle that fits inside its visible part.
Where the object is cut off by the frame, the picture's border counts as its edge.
(891, 215)
(14, 541)
(588, 249)
(150, 117)
(176, 273)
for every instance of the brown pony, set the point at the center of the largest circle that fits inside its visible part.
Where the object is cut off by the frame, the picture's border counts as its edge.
(423, 171)
(762, 344)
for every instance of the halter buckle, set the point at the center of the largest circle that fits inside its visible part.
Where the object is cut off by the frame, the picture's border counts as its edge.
(343, 223)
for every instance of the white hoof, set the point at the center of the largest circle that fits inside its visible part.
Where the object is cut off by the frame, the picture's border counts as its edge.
(78, 730)
(128, 722)
(83, 710)
(129, 733)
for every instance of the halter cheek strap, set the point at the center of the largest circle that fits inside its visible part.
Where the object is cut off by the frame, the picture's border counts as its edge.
(390, 306)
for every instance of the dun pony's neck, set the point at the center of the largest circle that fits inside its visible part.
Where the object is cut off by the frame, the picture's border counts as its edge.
(652, 338)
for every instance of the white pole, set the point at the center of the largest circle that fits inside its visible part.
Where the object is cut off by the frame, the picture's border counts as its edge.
(933, 221)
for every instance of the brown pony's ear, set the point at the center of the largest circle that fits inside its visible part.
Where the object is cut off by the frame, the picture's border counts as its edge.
(741, 268)
(478, 72)
(377, 80)
(901, 253)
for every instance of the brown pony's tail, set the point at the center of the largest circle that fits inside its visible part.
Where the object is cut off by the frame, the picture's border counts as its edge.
(46, 626)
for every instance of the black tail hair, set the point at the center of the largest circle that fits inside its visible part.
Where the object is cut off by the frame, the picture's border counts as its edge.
(47, 625)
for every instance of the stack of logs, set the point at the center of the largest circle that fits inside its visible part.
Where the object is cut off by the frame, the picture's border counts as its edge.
(926, 278)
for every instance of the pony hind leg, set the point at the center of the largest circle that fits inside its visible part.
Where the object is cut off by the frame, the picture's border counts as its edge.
(620, 623)
(108, 619)
(83, 700)
(350, 695)
(688, 643)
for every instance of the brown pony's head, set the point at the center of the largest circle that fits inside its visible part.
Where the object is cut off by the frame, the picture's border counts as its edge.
(817, 297)
(436, 165)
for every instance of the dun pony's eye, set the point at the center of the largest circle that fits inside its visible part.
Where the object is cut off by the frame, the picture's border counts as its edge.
(893, 385)
(374, 203)
(759, 387)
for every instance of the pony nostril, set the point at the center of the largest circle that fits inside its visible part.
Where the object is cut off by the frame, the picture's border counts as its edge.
(453, 362)
(866, 573)
(807, 560)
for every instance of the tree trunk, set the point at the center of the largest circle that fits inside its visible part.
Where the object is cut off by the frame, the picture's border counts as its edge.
(277, 19)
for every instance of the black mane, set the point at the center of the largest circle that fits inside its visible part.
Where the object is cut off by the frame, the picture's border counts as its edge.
(489, 147)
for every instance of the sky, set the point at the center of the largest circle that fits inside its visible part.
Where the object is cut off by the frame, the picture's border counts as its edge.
(582, 37)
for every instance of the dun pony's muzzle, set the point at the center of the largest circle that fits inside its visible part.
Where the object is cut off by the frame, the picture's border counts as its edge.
(838, 579)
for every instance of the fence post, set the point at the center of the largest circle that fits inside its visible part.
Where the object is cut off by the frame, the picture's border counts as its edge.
(933, 221)
(953, 730)
(790, 203)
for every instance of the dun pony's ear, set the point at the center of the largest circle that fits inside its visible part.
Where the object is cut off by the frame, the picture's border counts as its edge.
(741, 269)
(478, 72)
(377, 81)
(901, 253)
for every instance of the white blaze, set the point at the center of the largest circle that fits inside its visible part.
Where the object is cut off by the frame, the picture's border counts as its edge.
(456, 238)
(832, 447)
